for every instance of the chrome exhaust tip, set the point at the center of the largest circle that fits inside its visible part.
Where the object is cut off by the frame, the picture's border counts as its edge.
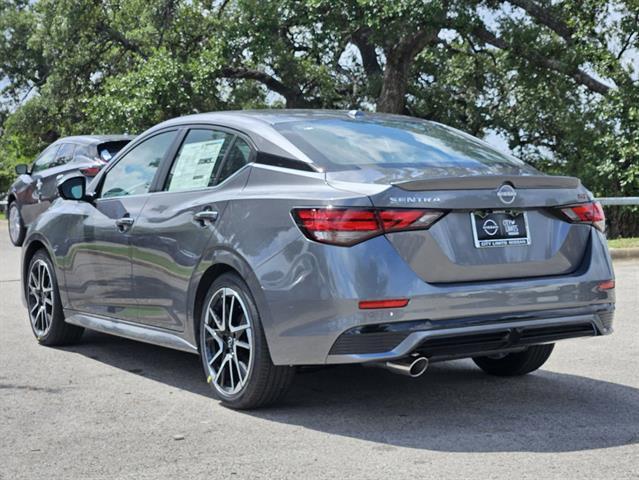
(410, 366)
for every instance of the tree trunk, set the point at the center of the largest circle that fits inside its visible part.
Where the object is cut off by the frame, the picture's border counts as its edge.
(399, 59)
(392, 98)
(297, 100)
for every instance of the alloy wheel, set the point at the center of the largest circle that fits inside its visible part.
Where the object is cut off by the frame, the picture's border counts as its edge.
(40, 297)
(227, 343)
(14, 223)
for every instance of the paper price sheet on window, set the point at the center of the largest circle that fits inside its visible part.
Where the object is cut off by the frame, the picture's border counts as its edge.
(195, 164)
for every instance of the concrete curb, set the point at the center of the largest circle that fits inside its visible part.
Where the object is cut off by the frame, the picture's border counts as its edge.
(624, 253)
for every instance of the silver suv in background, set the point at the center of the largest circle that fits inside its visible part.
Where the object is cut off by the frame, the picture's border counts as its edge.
(35, 188)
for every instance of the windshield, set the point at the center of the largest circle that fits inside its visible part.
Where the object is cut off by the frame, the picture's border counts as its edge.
(342, 144)
(108, 150)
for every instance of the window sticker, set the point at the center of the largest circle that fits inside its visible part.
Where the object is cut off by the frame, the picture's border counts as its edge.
(195, 165)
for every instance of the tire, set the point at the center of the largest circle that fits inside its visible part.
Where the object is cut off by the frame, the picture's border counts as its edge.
(235, 356)
(43, 302)
(515, 364)
(17, 230)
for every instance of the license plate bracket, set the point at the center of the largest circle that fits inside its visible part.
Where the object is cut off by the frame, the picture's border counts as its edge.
(500, 228)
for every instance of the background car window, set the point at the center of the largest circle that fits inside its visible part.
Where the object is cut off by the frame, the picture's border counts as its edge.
(195, 163)
(64, 155)
(133, 174)
(84, 153)
(239, 155)
(108, 150)
(45, 159)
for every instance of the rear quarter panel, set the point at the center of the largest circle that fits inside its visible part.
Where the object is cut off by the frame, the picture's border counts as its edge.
(257, 225)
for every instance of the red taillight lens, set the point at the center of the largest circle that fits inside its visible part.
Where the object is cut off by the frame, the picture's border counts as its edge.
(91, 171)
(347, 226)
(591, 213)
(607, 285)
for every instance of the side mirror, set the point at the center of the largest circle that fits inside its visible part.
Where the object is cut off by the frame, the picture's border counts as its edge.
(22, 169)
(73, 188)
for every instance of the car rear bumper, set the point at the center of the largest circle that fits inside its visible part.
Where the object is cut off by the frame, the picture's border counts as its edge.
(310, 293)
(468, 337)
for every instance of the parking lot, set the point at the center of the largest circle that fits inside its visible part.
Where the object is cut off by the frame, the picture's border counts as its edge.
(113, 408)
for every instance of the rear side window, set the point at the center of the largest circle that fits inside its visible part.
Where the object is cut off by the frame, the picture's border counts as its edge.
(134, 172)
(64, 155)
(46, 158)
(239, 155)
(342, 144)
(84, 153)
(196, 162)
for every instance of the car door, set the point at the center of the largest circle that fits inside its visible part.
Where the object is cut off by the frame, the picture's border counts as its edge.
(99, 278)
(30, 196)
(176, 224)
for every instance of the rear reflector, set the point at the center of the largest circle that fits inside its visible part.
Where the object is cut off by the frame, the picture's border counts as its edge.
(392, 303)
(607, 285)
(590, 213)
(348, 226)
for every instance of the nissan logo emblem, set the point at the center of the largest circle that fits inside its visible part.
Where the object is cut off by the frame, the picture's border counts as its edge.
(490, 227)
(506, 194)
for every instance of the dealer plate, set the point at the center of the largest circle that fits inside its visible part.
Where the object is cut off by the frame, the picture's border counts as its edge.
(503, 228)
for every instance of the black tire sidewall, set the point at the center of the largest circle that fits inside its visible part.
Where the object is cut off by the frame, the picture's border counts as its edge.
(257, 337)
(518, 363)
(57, 317)
(18, 241)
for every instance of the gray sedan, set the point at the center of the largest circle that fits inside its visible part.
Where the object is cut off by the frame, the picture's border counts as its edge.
(268, 240)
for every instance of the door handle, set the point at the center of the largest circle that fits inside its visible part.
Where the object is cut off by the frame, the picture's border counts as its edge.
(206, 216)
(124, 223)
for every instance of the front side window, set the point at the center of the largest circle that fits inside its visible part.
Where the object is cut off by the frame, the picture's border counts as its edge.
(195, 164)
(134, 173)
(46, 158)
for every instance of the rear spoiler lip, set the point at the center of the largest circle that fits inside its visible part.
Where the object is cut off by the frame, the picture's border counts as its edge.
(489, 182)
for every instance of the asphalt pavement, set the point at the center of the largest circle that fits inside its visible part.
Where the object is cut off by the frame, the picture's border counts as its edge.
(111, 408)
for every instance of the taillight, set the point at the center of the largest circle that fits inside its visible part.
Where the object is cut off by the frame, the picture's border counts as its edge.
(606, 285)
(590, 213)
(91, 171)
(348, 226)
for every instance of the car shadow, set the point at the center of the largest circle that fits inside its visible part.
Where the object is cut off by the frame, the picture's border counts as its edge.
(454, 407)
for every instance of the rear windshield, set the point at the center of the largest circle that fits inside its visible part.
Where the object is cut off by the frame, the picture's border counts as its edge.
(342, 144)
(107, 151)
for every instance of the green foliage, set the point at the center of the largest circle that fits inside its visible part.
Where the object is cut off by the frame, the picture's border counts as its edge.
(555, 79)
(25, 133)
(159, 89)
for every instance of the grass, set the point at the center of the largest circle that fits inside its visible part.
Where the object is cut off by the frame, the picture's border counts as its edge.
(624, 242)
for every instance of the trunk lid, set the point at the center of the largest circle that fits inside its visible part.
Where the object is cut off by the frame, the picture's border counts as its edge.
(460, 247)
